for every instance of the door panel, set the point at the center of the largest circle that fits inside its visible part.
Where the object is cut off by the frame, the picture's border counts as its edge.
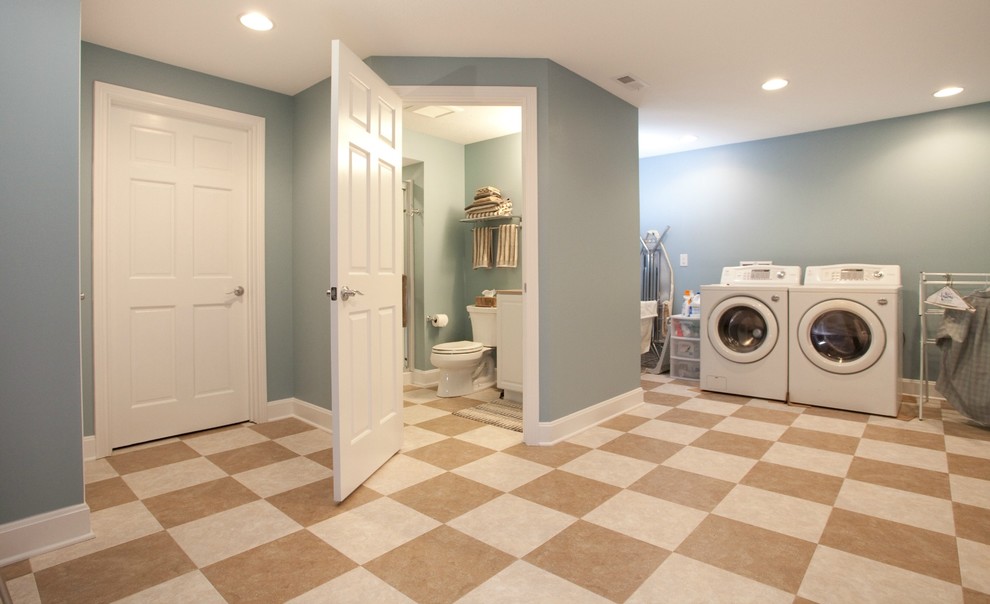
(366, 352)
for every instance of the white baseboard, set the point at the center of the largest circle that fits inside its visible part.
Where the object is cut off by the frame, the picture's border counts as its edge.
(307, 412)
(89, 448)
(913, 388)
(550, 433)
(22, 539)
(429, 377)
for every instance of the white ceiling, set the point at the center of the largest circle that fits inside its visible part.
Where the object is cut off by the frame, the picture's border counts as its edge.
(848, 61)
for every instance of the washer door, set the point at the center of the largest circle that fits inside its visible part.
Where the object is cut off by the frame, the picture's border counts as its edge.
(841, 336)
(742, 329)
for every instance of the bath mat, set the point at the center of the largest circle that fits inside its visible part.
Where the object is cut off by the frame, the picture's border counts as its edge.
(501, 413)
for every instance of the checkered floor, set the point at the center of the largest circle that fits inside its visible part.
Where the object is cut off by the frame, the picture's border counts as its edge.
(691, 497)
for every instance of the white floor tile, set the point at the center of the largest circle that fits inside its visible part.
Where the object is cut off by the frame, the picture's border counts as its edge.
(375, 528)
(686, 581)
(225, 534)
(512, 524)
(656, 521)
(776, 512)
(523, 582)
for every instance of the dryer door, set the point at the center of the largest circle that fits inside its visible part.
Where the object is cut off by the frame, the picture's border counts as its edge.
(742, 329)
(841, 336)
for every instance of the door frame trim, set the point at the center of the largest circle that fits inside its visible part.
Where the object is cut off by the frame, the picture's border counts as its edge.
(526, 98)
(105, 97)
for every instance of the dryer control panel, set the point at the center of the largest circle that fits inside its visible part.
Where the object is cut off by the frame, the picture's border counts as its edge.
(851, 275)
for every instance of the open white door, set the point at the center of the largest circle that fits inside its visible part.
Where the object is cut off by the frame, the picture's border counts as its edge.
(365, 271)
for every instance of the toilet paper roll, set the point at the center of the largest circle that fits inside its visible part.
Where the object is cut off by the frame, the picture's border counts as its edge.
(439, 320)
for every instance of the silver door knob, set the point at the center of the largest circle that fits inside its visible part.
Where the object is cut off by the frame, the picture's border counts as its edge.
(346, 292)
(238, 291)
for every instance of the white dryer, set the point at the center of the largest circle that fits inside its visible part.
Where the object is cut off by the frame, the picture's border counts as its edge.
(744, 319)
(845, 349)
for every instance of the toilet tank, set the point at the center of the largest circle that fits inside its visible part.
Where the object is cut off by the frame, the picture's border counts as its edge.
(482, 324)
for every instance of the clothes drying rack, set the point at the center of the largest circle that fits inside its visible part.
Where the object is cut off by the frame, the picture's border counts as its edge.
(929, 313)
(657, 284)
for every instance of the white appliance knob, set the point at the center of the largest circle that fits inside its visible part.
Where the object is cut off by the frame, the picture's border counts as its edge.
(877, 274)
(781, 274)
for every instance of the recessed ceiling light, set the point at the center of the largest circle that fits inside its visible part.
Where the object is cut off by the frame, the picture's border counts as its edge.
(256, 21)
(950, 91)
(774, 84)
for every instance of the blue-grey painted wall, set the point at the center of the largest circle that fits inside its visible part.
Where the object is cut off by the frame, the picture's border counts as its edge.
(40, 402)
(911, 191)
(496, 162)
(588, 222)
(113, 67)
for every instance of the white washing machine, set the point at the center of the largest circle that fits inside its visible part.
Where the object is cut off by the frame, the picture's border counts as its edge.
(845, 349)
(744, 322)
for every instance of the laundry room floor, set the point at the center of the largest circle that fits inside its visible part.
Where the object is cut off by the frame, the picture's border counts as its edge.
(692, 496)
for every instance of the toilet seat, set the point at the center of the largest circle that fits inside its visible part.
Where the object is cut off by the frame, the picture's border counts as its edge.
(459, 347)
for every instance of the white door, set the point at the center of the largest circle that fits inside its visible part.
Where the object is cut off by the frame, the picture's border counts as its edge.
(366, 224)
(176, 258)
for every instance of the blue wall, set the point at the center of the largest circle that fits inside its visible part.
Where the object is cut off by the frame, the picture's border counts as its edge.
(113, 67)
(910, 191)
(40, 421)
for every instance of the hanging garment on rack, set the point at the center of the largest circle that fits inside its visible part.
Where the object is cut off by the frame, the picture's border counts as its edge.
(508, 246)
(948, 298)
(964, 339)
(482, 255)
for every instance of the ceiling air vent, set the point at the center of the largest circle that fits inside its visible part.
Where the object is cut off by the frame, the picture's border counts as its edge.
(631, 82)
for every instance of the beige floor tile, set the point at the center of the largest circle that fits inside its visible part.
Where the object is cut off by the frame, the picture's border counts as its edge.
(423, 395)
(905, 455)
(446, 496)
(566, 492)
(594, 437)
(714, 464)
(417, 414)
(414, 437)
(916, 480)
(967, 465)
(936, 442)
(314, 503)
(967, 446)
(307, 442)
(95, 470)
(227, 536)
(776, 512)
(278, 570)
(686, 581)
(24, 590)
(357, 586)
(198, 501)
(688, 417)
(918, 550)
(452, 404)
(666, 399)
(816, 439)
(753, 428)
(733, 444)
(279, 477)
(400, 472)
(779, 415)
(972, 522)
(440, 566)
(148, 483)
(807, 458)
(971, 491)
(486, 395)
(450, 453)
(368, 531)
(554, 456)
(449, 425)
(842, 414)
(687, 488)
(602, 561)
(677, 389)
(648, 410)
(974, 564)
(641, 447)
(810, 420)
(657, 521)
(491, 437)
(930, 425)
(501, 471)
(250, 457)
(766, 556)
(623, 423)
(115, 572)
(813, 486)
(111, 527)
(108, 493)
(610, 468)
(514, 525)
(838, 577)
(190, 587)
(523, 582)
(132, 460)
(706, 404)
(224, 440)
(669, 431)
(760, 403)
(286, 426)
(921, 511)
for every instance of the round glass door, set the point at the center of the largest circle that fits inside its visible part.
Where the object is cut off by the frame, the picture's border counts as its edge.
(742, 329)
(841, 336)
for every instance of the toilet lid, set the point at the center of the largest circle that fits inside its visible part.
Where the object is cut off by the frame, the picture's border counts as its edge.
(460, 347)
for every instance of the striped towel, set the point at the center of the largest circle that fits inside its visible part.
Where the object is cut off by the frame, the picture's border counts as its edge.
(482, 255)
(508, 246)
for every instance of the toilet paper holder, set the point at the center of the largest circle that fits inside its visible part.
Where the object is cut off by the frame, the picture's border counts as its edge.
(437, 320)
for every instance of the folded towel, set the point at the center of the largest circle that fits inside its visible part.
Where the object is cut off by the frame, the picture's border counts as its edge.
(508, 246)
(486, 191)
(482, 255)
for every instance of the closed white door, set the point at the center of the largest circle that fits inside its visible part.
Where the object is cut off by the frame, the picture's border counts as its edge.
(366, 226)
(176, 258)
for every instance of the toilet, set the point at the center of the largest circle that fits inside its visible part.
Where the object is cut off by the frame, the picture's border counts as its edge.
(467, 366)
